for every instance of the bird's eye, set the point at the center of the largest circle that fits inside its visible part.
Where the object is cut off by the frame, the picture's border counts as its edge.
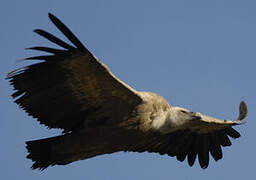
(185, 112)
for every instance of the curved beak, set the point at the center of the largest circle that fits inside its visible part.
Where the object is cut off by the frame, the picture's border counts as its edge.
(196, 116)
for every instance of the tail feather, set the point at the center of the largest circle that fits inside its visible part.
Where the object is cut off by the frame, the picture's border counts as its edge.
(40, 152)
(64, 149)
(50, 151)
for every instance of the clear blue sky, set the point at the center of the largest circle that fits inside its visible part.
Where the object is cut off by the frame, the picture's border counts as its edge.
(197, 54)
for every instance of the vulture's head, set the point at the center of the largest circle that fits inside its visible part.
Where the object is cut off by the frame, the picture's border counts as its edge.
(182, 113)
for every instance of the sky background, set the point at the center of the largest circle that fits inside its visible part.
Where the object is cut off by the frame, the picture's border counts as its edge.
(197, 54)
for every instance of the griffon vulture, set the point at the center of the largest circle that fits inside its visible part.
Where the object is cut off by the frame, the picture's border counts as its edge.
(72, 90)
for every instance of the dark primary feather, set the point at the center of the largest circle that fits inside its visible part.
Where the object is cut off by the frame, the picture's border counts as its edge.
(65, 30)
(243, 111)
(194, 150)
(215, 147)
(53, 39)
(47, 49)
(232, 133)
(46, 58)
(224, 140)
(184, 150)
(187, 144)
(203, 154)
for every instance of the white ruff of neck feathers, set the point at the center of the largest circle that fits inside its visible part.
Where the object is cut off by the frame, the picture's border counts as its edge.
(168, 121)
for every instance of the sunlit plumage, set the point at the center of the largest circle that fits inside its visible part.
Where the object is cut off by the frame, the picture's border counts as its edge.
(99, 114)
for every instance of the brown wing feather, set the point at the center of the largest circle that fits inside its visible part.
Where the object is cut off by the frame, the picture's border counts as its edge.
(188, 144)
(71, 87)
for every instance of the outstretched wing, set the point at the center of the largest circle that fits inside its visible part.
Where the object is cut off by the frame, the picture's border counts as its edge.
(71, 87)
(188, 144)
(191, 144)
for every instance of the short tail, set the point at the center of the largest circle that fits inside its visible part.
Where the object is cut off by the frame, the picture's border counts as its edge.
(40, 152)
(54, 150)
(64, 149)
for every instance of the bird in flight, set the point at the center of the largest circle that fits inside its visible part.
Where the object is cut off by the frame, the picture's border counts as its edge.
(70, 89)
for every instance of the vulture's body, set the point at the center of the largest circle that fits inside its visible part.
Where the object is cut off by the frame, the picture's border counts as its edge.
(99, 114)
